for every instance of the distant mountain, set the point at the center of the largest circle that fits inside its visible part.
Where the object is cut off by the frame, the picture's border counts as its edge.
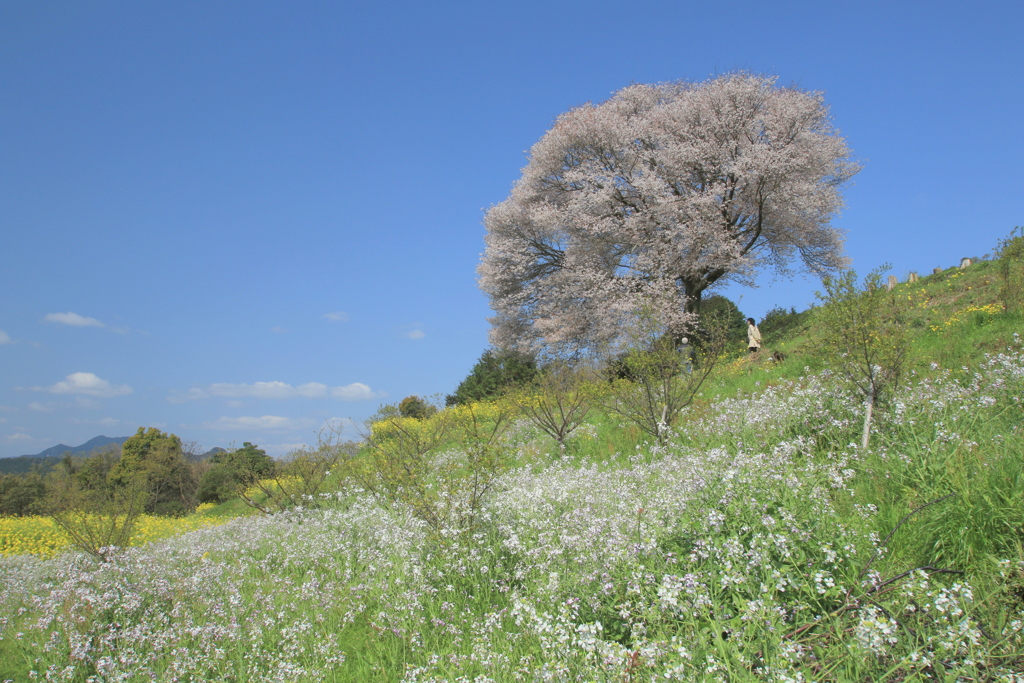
(87, 447)
(46, 460)
(207, 455)
(51, 456)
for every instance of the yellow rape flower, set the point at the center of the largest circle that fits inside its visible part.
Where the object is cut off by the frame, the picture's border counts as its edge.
(41, 536)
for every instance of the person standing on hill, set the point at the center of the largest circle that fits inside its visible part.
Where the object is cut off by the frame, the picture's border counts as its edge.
(753, 336)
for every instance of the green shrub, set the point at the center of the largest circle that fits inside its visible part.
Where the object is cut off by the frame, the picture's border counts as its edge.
(416, 407)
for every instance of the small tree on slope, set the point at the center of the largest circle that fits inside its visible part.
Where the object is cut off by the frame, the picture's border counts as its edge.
(865, 336)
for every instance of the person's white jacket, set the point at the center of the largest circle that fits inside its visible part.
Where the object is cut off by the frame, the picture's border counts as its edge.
(753, 337)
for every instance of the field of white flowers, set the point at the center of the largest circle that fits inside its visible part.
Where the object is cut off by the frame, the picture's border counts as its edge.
(758, 544)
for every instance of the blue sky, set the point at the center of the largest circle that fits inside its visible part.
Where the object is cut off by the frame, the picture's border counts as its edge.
(237, 220)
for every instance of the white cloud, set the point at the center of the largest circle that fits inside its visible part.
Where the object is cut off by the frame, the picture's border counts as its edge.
(38, 407)
(260, 424)
(337, 316)
(20, 437)
(5, 338)
(415, 334)
(357, 391)
(88, 384)
(73, 319)
(276, 390)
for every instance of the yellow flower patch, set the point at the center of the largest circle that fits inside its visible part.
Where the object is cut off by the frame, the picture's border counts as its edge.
(963, 314)
(41, 536)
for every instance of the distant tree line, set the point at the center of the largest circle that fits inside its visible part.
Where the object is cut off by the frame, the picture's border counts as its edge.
(164, 476)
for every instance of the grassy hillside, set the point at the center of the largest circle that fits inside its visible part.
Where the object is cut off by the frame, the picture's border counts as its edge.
(758, 542)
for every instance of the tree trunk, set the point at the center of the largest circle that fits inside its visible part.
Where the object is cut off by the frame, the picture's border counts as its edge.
(869, 405)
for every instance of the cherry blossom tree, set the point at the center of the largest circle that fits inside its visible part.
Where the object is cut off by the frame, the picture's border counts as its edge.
(649, 199)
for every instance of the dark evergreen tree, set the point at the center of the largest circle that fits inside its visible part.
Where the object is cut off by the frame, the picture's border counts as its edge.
(494, 373)
(722, 312)
(779, 322)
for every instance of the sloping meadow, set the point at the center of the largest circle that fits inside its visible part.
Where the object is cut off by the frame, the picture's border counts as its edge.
(757, 544)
